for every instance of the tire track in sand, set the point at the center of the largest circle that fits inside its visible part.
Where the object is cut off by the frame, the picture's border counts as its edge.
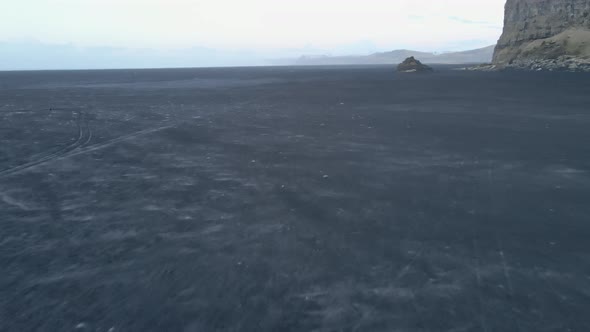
(80, 146)
(113, 141)
(83, 131)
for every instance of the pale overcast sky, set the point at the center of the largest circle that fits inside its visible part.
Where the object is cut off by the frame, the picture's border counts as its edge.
(255, 24)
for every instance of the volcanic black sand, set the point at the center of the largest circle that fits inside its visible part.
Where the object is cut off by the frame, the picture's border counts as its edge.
(294, 199)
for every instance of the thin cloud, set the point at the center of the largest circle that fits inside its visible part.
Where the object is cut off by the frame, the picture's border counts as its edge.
(468, 21)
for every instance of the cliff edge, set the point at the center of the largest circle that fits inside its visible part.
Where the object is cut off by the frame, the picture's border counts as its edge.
(537, 32)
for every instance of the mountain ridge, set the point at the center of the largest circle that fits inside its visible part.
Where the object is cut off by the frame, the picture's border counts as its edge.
(474, 56)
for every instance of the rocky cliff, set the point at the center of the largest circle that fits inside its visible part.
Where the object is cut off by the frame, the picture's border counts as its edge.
(543, 30)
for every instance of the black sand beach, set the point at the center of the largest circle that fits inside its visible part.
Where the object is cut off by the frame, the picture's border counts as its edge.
(294, 199)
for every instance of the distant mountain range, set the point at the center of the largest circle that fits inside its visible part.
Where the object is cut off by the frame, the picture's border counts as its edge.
(36, 55)
(477, 56)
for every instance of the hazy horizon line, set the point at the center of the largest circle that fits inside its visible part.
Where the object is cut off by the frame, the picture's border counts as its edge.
(34, 55)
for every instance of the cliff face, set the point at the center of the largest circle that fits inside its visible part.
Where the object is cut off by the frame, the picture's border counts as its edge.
(544, 29)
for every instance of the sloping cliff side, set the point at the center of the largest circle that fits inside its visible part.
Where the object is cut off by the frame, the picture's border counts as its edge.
(542, 30)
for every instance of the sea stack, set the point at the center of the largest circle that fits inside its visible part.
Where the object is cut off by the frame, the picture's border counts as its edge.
(545, 35)
(412, 65)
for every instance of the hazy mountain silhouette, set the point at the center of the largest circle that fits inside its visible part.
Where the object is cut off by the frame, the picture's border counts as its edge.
(480, 55)
(32, 55)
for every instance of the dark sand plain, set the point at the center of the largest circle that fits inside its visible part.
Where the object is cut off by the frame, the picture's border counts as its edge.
(294, 199)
